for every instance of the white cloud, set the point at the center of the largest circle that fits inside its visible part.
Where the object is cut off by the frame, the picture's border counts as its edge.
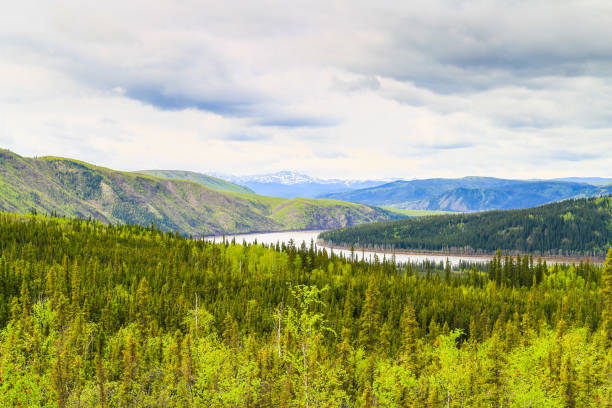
(334, 89)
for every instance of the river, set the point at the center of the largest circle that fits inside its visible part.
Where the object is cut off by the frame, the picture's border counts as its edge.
(307, 236)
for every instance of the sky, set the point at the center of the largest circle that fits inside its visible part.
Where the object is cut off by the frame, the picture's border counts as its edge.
(334, 89)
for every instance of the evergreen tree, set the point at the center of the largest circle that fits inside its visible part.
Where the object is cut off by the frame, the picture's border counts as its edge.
(606, 279)
(493, 371)
(568, 382)
(162, 320)
(411, 346)
(370, 316)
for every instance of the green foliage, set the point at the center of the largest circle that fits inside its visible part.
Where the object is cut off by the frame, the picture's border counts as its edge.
(607, 296)
(572, 227)
(126, 316)
(414, 213)
(208, 181)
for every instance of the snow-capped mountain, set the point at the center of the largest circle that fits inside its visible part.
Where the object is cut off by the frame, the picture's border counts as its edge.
(283, 177)
(291, 184)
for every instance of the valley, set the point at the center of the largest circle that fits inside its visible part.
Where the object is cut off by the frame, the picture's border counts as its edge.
(324, 204)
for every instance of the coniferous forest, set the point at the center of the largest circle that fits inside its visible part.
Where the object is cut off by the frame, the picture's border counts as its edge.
(570, 227)
(126, 316)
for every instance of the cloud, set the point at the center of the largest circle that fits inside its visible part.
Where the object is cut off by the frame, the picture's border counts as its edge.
(449, 46)
(169, 100)
(343, 89)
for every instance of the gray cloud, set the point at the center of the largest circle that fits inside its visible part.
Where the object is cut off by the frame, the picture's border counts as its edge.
(288, 121)
(477, 45)
(174, 100)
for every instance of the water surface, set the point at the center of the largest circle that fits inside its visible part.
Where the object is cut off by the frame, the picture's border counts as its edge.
(307, 236)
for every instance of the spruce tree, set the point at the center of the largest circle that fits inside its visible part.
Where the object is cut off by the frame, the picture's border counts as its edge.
(494, 370)
(411, 343)
(606, 282)
(370, 316)
(567, 384)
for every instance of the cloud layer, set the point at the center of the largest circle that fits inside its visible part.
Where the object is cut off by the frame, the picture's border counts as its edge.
(334, 89)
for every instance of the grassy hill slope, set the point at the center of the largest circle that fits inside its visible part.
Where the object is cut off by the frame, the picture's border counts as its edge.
(76, 189)
(570, 227)
(415, 213)
(208, 181)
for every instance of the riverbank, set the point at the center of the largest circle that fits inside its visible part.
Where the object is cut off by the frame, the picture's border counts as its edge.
(486, 256)
(244, 234)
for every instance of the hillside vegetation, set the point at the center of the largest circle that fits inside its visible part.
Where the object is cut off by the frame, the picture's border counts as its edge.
(415, 213)
(471, 193)
(208, 181)
(76, 189)
(123, 316)
(571, 227)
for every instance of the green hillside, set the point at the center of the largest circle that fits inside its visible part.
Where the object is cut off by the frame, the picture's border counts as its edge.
(208, 181)
(76, 189)
(414, 213)
(570, 227)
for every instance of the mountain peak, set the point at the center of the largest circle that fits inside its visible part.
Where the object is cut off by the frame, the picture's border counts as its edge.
(285, 177)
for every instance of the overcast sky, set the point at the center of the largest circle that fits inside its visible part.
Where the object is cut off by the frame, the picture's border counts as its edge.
(518, 89)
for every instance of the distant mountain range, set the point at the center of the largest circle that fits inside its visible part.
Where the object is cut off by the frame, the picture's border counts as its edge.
(73, 188)
(438, 194)
(289, 184)
(470, 193)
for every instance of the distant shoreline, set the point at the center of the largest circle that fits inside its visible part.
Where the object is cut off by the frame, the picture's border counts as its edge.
(548, 258)
(236, 234)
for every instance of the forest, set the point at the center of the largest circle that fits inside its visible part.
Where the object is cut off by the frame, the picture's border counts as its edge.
(579, 227)
(95, 315)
